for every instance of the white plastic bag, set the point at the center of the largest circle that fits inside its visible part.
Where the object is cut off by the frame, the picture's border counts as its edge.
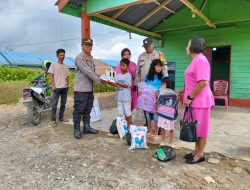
(95, 114)
(122, 126)
(138, 137)
(107, 78)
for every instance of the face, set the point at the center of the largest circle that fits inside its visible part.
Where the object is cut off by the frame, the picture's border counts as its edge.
(158, 68)
(126, 55)
(87, 48)
(187, 48)
(124, 67)
(61, 56)
(150, 48)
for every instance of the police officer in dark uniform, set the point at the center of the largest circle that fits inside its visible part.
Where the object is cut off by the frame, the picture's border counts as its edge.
(85, 76)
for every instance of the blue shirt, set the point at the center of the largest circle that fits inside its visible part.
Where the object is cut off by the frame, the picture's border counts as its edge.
(156, 83)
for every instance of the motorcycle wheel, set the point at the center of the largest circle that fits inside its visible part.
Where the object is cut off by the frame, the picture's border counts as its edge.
(33, 114)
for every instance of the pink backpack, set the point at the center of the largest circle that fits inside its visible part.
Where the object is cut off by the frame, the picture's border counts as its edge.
(146, 100)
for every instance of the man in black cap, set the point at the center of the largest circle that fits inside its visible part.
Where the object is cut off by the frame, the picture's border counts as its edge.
(145, 59)
(83, 90)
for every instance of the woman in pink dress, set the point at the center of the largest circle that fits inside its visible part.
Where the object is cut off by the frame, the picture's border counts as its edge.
(132, 70)
(198, 95)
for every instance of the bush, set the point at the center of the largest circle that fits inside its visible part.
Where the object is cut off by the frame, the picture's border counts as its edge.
(17, 74)
(13, 80)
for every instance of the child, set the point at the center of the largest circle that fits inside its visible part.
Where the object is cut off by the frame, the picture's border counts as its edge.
(154, 78)
(123, 91)
(167, 125)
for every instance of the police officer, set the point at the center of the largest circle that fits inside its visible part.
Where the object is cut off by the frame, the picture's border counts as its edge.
(144, 62)
(83, 91)
(145, 59)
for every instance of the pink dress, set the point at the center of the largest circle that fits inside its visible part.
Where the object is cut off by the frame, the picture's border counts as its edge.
(199, 69)
(132, 71)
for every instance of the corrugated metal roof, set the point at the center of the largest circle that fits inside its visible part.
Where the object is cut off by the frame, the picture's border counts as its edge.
(3, 61)
(136, 12)
(29, 59)
(77, 3)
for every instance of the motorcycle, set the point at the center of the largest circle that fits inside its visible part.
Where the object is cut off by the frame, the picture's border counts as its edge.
(37, 98)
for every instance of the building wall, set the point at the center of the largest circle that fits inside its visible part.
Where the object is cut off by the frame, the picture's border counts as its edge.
(237, 37)
(104, 69)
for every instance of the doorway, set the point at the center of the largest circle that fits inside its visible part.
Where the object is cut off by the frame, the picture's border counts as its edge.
(219, 58)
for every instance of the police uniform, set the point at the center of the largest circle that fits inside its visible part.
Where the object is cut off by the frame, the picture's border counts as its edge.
(144, 62)
(85, 76)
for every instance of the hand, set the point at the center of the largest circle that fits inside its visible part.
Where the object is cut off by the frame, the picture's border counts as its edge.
(103, 81)
(187, 102)
(157, 94)
(53, 87)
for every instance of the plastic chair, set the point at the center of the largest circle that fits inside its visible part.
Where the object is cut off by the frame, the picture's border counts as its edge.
(221, 91)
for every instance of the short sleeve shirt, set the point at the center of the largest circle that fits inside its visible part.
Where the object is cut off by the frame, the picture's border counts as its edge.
(156, 83)
(60, 72)
(124, 94)
(198, 70)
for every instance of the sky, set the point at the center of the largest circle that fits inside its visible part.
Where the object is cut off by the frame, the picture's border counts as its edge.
(26, 22)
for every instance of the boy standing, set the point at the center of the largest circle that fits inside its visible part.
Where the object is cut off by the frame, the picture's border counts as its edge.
(60, 83)
(123, 91)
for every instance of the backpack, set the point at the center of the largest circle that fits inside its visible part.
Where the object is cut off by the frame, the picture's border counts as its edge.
(165, 153)
(167, 106)
(146, 100)
(113, 128)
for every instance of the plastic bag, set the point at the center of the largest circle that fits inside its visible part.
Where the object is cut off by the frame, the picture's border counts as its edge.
(95, 114)
(165, 153)
(107, 78)
(122, 126)
(138, 137)
(146, 100)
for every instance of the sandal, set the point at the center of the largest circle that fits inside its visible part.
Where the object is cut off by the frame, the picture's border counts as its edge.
(64, 120)
(172, 145)
(149, 136)
(53, 124)
(155, 138)
(163, 144)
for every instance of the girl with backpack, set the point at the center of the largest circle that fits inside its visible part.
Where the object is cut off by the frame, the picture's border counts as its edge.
(154, 78)
(167, 114)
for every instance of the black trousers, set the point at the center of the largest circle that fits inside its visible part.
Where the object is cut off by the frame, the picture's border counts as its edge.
(63, 92)
(83, 103)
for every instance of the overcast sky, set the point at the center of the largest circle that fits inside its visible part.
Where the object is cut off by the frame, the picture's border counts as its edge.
(36, 22)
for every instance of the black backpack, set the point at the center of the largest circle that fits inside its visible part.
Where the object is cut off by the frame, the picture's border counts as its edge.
(165, 153)
(113, 128)
(167, 106)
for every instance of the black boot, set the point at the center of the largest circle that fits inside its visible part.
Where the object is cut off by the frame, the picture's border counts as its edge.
(77, 132)
(87, 129)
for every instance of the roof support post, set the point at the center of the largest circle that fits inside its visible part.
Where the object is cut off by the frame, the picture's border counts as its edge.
(85, 25)
(61, 4)
(199, 13)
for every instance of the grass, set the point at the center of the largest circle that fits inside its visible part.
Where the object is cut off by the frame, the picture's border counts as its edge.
(11, 91)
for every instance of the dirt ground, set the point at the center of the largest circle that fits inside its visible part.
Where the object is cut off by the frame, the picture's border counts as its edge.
(41, 157)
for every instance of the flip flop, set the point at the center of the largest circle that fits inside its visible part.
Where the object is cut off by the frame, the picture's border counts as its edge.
(155, 138)
(53, 124)
(64, 120)
(163, 144)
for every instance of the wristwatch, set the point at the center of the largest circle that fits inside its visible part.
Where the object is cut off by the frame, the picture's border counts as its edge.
(189, 98)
